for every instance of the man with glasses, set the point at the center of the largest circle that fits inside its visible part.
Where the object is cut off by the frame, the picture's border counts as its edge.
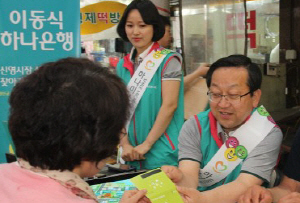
(233, 145)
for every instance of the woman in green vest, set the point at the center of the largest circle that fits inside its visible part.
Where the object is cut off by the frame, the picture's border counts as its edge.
(158, 116)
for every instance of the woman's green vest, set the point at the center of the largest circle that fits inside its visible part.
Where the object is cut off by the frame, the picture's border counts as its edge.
(165, 150)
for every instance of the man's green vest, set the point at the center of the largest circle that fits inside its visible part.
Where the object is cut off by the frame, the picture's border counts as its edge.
(210, 144)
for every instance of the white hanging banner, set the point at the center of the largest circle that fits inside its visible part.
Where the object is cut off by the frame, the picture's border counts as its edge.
(142, 77)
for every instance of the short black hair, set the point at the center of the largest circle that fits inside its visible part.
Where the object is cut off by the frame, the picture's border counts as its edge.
(67, 111)
(254, 73)
(150, 16)
(166, 20)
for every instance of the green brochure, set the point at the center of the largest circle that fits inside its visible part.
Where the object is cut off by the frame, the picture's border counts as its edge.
(160, 188)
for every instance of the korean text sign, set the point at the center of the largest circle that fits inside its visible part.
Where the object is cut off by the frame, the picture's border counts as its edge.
(100, 16)
(99, 21)
(33, 32)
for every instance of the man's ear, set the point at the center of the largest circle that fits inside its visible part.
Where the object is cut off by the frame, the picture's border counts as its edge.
(256, 97)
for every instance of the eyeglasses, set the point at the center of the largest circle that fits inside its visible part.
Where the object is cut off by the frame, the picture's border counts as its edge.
(232, 98)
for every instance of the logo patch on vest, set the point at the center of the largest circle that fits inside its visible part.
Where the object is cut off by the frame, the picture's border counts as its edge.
(152, 86)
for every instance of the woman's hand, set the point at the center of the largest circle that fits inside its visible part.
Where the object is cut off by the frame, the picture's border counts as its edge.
(127, 153)
(135, 196)
(140, 150)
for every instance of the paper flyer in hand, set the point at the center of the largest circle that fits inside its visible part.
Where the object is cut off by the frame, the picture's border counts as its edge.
(160, 189)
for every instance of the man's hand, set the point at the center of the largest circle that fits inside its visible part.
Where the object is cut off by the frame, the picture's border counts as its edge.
(135, 196)
(256, 194)
(293, 197)
(189, 195)
(173, 173)
(202, 69)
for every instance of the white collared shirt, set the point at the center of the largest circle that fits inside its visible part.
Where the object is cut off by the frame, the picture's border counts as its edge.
(222, 134)
(173, 68)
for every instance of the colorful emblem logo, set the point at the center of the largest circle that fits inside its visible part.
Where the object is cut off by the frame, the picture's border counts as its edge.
(241, 152)
(149, 65)
(230, 154)
(219, 167)
(232, 142)
(262, 111)
(157, 55)
(165, 51)
(272, 121)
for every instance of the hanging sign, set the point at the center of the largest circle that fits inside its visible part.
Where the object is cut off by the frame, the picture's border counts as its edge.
(32, 32)
(99, 20)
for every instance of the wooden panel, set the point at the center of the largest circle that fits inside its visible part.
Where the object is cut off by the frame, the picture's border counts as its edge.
(195, 98)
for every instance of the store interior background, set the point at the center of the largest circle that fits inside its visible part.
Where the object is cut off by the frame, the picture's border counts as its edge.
(206, 30)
